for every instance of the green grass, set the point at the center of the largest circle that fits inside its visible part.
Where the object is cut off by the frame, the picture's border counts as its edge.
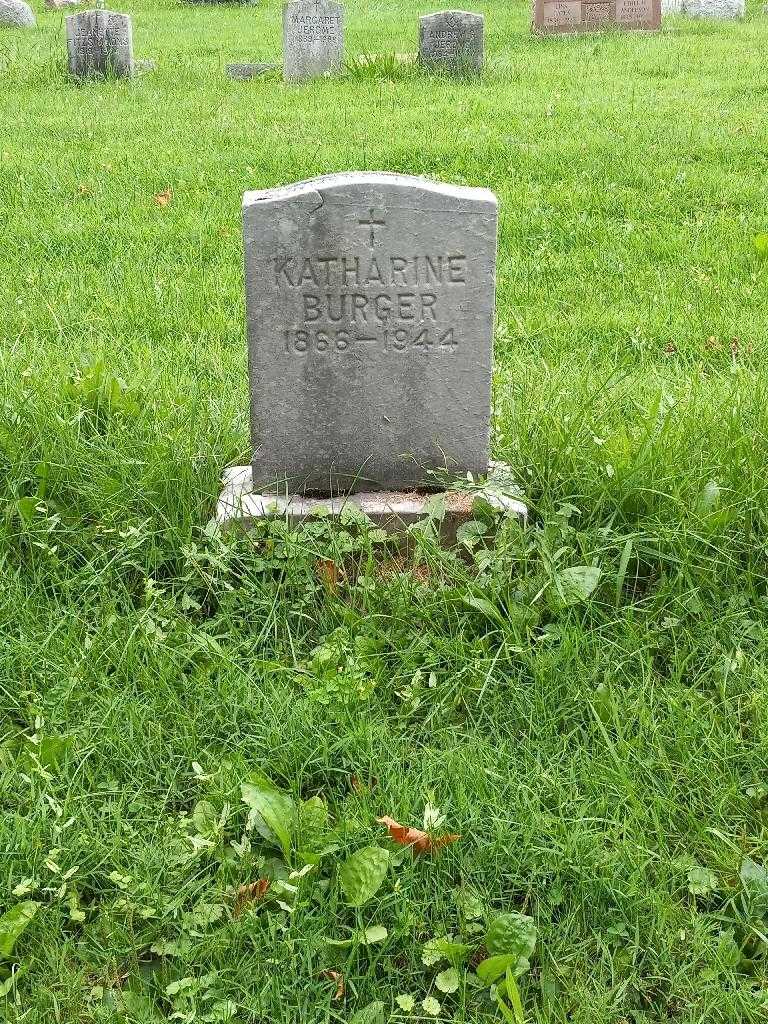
(589, 754)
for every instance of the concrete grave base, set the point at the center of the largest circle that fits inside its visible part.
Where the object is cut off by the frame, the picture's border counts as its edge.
(394, 511)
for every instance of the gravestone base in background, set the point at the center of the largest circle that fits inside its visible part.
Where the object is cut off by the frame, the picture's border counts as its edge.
(393, 511)
(247, 72)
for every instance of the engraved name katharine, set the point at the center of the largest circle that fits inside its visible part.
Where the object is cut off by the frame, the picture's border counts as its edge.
(355, 285)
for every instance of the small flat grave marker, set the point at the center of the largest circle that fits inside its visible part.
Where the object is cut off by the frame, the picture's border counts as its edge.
(247, 72)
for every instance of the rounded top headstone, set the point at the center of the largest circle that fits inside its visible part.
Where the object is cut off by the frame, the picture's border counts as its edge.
(370, 301)
(16, 12)
(452, 39)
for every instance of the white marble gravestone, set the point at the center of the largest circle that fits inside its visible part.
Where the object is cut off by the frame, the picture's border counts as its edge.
(713, 8)
(453, 40)
(100, 43)
(313, 38)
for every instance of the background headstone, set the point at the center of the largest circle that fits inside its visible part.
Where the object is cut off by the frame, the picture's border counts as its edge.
(642, 14)
(100, 43)
(370, 301)
(453, 40)
(16, 12)
(714, 8)
(553, 16)
(313, 38)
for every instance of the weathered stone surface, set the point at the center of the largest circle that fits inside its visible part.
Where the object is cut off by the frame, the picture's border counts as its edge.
(714, 8)
(313, 38)
(240, 505)
(16, 13)
(100, 43)
(370, 301)
(245, 72)
(554, 16)
(453, 40)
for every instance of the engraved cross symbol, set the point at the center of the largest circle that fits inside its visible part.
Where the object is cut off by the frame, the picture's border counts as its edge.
(372, 223)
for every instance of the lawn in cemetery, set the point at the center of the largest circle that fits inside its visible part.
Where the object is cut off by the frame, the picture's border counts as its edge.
(199, 731)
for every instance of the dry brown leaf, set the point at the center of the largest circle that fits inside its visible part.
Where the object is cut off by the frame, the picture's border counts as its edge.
(163, 198)
(420, 842)
(358, 786)
(338, 977)
(250, 893)
(328, 574)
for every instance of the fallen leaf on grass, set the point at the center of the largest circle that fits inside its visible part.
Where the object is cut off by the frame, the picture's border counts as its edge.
(338, 977)
(163, 198)
(328, 574)
(420, 842)
(363, 787)
(250, 893)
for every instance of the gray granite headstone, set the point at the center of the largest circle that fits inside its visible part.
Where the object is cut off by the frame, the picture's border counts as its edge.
(313, 38)
(100, 43)
(17, 13)
(370, 301)
(452, 40)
